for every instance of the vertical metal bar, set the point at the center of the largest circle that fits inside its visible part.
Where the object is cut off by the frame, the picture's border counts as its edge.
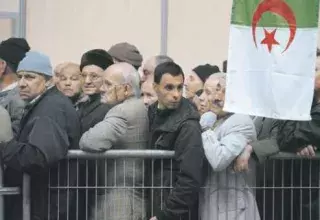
(1, 197)
(22, 18)
(26, 197)
(164, 27)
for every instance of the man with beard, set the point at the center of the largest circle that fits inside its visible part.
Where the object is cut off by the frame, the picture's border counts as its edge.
(124, 127)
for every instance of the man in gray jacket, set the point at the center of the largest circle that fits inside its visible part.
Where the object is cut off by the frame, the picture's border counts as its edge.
(124, 127)
(5, 126)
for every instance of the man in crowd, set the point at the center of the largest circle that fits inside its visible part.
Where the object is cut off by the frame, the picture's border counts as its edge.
(174, 125)
(193, 84)
(209, 86)
(49, 128)
(12, 51)
(91, 110)
(68, 80)
(124, 127)
(125, 52)
(151, 64)
(148, 95)
(224, 138)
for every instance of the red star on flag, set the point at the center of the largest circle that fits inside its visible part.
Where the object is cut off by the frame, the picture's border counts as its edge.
(269, 39)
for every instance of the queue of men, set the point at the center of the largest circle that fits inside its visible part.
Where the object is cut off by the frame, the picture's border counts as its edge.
(103, 103)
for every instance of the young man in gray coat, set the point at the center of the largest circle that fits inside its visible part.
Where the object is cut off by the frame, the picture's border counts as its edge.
(124, 127)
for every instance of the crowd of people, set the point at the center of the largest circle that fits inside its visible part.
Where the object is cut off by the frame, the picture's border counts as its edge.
(114, 99)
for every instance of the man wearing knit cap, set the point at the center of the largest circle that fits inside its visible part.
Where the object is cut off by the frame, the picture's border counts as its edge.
(12, 51)
(49, 128)
(195, 80)
(125, 52)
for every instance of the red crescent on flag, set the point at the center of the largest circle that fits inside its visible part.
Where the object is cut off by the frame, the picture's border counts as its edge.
(278, 7)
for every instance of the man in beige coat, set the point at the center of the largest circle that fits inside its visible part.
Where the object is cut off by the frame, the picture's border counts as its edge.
(124, 127)
(227, 194)
(5, 126)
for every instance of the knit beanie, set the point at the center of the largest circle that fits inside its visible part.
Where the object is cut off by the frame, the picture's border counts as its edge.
(126, 52)
(36, 62)
(204, 71)
(13, 50)
(98, 57)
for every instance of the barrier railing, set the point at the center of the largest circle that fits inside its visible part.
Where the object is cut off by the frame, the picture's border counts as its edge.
(285, 187)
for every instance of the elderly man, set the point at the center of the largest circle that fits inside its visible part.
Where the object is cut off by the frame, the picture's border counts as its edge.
(91, 110)
(12, 51)
(174, 125)
(68, 80)
(148, 95)
(194, 81)
(49, 128)
(223, 140)
(124, 127)
(5, 126)
(151, 64)
(125, 52)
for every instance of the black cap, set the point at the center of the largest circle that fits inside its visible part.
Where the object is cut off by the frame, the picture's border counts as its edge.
(98, 57)
(13, 50)
(204, 71)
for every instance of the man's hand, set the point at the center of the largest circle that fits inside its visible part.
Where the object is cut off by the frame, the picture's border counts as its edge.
(207, 120)
(242, 161)
(308, 151)
(154, 218)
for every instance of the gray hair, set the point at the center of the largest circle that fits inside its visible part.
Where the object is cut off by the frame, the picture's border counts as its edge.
(162, 59)
(131, 77)
(217, 76)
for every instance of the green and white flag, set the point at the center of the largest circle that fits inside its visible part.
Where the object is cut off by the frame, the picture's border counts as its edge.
(271, 61)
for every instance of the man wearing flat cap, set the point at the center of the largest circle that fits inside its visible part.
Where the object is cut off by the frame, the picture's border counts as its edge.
(125, 52)
(49, 128)
(12, 51)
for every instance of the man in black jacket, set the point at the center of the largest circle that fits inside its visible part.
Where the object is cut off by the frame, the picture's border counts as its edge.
(174, 125)
(49, 128)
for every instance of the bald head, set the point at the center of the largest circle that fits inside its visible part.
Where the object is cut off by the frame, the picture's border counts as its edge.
(151, 64)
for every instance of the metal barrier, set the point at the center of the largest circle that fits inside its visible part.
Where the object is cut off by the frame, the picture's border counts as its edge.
(287, 187)
(8, 191)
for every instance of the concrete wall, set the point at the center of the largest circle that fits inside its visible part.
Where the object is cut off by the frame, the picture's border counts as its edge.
(64, 29)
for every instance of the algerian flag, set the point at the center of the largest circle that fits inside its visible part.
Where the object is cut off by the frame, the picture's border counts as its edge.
(271, 63)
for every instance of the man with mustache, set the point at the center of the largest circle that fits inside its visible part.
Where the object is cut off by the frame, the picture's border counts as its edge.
(225, 136)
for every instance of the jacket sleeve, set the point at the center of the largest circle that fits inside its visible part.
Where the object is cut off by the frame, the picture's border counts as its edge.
(5, 126)
(293, 135)
(190, 156)
(221, 152)
(268, 146)
(47, 143)
(15, 108)
(106, 133)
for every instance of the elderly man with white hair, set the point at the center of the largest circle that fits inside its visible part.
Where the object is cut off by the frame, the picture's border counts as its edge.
(227, 194)
(124, 127)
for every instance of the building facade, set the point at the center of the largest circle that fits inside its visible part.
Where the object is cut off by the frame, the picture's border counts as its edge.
(192, 32)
